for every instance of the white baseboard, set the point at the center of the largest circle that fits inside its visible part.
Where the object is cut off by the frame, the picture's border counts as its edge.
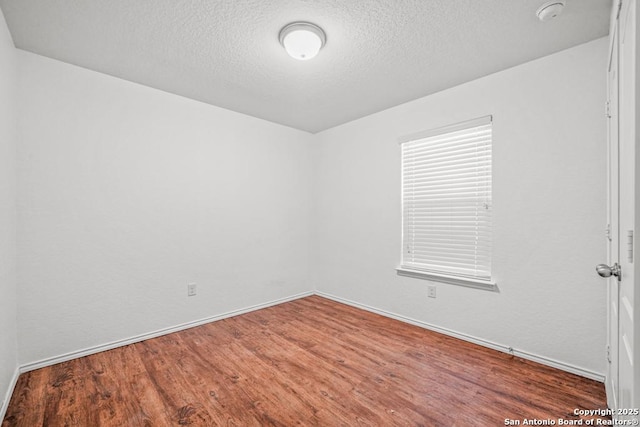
(485, 343)
(9, 393)
(120, 343)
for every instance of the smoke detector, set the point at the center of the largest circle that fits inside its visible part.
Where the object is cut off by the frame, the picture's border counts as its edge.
(550, 10)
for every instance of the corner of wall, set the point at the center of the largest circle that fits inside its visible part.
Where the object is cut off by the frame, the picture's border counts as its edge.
(8, 245)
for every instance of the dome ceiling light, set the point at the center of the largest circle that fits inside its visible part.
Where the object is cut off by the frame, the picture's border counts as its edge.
(302, 40)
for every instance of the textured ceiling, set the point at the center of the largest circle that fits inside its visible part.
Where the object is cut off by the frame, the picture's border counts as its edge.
(379, 53)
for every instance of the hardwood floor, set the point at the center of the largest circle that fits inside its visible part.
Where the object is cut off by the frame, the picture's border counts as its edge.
(307, 362)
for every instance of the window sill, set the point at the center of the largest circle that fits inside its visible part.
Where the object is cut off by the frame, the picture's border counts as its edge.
(487, 285)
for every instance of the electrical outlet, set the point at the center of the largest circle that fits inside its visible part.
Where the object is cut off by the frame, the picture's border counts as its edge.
(191, 289)
(431, 291)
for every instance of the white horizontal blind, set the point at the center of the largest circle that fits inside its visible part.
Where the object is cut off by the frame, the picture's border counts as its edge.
(446, 200)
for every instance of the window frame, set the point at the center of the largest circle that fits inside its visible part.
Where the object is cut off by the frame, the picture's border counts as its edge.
(429, 274)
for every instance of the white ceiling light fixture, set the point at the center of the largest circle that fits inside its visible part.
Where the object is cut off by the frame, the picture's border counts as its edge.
(302, 40)
(550, 10)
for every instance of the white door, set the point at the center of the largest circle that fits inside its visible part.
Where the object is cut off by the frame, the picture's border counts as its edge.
(621, 384)
(627, 96)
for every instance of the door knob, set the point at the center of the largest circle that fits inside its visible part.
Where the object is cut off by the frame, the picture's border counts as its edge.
(605, 271)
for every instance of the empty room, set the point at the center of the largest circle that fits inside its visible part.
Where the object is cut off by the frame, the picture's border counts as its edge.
(305, 212)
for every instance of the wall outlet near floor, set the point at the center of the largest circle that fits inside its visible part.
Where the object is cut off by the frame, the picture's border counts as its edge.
(431, 291)
(191, 289)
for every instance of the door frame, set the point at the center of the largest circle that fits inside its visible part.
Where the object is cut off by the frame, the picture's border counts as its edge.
(612, 230)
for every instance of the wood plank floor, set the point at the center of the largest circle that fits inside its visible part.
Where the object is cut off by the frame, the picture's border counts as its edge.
(307, 362)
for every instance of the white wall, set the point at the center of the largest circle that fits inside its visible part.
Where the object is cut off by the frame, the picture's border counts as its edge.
(8, 138)
(127, 193)
(549, 209)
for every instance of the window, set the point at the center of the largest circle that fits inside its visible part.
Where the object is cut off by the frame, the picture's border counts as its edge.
(446, 204)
